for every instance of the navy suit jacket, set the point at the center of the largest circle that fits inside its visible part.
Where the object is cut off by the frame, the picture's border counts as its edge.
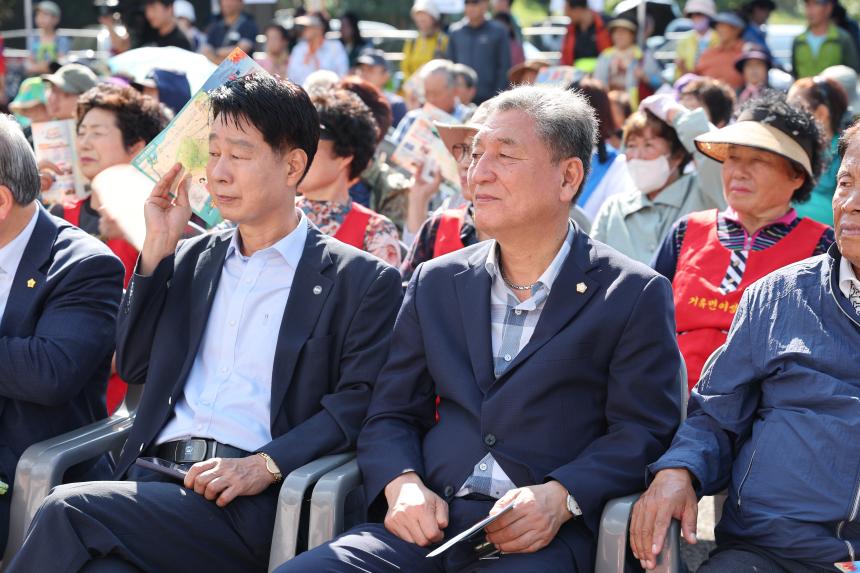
(330, 347)
(56, 344)
(589, 401)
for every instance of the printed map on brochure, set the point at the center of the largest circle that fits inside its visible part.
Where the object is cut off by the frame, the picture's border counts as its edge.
(186, 138)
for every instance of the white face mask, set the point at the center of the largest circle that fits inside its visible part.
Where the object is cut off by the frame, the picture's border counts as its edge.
(649, 174)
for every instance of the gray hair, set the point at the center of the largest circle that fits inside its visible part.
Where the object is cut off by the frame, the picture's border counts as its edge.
(562, 118)
(18, 170)
(469, 75)
(441, 67)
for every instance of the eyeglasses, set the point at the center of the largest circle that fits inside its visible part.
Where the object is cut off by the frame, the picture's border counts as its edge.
(461, 151)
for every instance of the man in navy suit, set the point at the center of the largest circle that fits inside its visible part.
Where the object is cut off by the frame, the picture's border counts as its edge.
(553, 357)
(258, 346)
(59, 296)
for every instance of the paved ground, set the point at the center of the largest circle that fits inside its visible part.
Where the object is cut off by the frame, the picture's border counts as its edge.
(695, 555)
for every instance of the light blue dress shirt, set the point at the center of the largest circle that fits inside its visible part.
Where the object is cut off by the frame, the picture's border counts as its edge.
(10, 257)
(227, 396)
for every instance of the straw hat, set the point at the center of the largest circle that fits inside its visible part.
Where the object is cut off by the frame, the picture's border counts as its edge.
(750, 130)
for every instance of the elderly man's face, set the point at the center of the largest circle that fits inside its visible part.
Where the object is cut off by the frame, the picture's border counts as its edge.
(516, 184)
(846, 204)
(759, 183)
(437, 92)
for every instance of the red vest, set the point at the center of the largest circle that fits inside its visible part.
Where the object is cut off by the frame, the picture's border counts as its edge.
(601, 36)
(703, 314)
(448, 233)
(354, 226)
(128, 255)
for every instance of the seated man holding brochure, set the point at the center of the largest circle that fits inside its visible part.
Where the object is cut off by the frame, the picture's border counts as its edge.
(554, 359)
(259, 346)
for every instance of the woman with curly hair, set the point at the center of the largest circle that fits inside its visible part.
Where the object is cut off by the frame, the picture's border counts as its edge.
(348, 136)
(771, 157)
(114, 124)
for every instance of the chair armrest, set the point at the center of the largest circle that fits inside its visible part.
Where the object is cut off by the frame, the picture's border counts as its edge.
(291, 501)
(42, 465)
(328, 502)
(614, 533)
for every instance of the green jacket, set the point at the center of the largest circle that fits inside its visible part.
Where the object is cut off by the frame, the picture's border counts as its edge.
(838, 48)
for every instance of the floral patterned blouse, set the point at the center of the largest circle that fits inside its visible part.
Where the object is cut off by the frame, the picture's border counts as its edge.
(381, 237)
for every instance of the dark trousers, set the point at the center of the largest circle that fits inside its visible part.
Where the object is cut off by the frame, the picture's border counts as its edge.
(370, 548)
(154, 526)
(739, 557)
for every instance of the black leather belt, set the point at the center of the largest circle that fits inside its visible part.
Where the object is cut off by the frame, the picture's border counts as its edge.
(195, 450)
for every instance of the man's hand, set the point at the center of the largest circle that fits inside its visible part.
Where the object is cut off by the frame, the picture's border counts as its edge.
(166, 218)
(415, 514)
(671, 496)
(419, 196)
(540, 512)
(224, 479)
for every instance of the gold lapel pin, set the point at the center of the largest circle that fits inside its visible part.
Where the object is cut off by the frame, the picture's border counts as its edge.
(581, 288)
(31, 283)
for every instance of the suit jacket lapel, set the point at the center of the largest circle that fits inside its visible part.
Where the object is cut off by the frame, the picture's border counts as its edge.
(29, 279)
(565, 300)
(473, 294)
(207, 274)
(308, 294)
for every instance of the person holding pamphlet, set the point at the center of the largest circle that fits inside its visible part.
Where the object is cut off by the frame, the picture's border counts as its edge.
(535, 418)
(259, 346)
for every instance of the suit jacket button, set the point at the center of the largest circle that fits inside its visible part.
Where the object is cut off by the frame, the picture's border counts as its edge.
(490, 440)
(449, 491)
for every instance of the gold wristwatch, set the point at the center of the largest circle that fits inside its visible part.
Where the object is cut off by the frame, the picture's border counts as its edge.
(272, 467)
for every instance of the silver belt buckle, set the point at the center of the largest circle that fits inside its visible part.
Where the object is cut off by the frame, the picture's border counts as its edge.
(190, 451)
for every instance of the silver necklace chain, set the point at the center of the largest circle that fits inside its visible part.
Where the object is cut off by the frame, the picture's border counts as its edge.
(518, 287)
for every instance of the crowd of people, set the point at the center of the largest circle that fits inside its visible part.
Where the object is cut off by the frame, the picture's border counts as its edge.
(522, 331)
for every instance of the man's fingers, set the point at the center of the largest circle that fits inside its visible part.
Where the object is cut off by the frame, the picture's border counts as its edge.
(441, 513)
(182, 191)
(227, 495)
(214, 488)
(162, 188)
(196, 470)
(688, 521)
(519, 544)
(429, 527)
(635, 526)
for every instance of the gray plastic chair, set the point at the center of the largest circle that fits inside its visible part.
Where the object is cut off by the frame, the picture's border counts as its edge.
(292, 500)
(331, 491)
(42, 465)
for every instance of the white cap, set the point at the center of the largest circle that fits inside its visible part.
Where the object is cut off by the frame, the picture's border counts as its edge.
(706, 7)
(428, 6)
(184, 9)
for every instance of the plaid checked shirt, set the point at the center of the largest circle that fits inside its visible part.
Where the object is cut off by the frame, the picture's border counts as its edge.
(512, 325)
(849, 284)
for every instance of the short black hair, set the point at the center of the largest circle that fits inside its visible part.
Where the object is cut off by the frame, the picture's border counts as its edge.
(167, 3)
(771, 108)
(277, 108)
(847, 137)
(349, 124)
(577, 3)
